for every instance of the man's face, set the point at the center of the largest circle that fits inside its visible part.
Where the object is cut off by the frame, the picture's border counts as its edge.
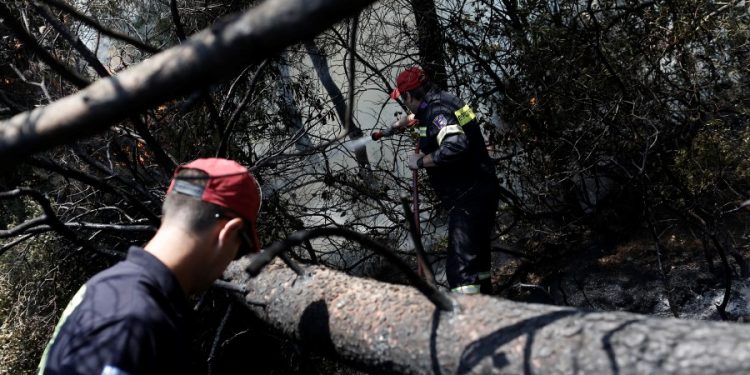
(411, 102)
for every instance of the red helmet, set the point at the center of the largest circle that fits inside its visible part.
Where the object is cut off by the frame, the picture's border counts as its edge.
(408, 80)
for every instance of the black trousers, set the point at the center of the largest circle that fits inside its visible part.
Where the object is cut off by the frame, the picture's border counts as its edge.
(471, 220)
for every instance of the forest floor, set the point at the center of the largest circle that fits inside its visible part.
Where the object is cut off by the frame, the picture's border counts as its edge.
(629, 277)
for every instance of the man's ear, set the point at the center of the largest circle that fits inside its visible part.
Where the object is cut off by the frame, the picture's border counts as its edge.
(230, 230)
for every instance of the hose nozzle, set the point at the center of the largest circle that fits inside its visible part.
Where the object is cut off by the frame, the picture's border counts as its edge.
(376, 136)
(398, 127)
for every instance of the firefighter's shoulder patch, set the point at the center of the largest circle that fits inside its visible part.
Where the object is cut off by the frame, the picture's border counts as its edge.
(440, 121)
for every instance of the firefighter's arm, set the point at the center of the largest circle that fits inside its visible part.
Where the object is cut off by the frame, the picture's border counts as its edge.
(447, 128)
(453, 146)
(451, 150)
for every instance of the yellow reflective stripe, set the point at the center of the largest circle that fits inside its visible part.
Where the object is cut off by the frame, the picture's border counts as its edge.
(421, 131)
(484, 275)
(74, 302)
(448, 130)
(464, 115)
(467, 289)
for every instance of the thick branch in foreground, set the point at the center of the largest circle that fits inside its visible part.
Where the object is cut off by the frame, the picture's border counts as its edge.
(209, 56)
(391, 328)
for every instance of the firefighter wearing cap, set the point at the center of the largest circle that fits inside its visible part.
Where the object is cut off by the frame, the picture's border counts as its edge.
(453, 152)
(133, 317)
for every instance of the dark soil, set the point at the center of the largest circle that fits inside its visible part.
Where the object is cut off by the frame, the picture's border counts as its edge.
(628, 277)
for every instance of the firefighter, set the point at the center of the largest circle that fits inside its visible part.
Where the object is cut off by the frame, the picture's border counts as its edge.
(132, 318)
(453, 152)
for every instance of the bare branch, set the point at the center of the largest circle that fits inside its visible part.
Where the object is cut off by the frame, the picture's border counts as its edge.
(9, 245)
(31, 42)
(222, 149)
(49, 215)
(98, 27)
(24, 227)
(89, 56)
(176, 20)
(95, 182)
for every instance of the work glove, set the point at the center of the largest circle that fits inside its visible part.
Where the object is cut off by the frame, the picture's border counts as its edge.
(413, 161)
(405, 122)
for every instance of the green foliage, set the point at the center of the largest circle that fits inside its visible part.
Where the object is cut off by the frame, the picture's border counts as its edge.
(36, 281)
(717, 157)
(627, 94)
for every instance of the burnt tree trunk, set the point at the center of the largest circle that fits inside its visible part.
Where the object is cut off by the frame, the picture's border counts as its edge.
(288, 109)
(320, 63)
(391, 328)
(430, 41)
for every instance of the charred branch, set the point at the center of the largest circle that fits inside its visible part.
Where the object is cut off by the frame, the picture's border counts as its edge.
(50, 217)
(24, 227)
(124, 228)
(96, 182)
(167, 164)
(416, 235)
(722, 307)
(229, 128)
(204, 94)
(209, 56)
(181, 36)
(20, 32)
(74, 41)
(430, 41)
(9, 245)
(349, 116)
(320, 63)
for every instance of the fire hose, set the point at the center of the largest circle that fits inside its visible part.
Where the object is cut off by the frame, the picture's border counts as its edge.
(423, 267)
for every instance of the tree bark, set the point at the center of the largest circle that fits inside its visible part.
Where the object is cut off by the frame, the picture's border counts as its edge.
(430, 41)
(209, 56)
(392, 328)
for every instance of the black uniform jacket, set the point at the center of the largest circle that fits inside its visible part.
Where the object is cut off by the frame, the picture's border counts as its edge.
(128, 319)
(449, 131)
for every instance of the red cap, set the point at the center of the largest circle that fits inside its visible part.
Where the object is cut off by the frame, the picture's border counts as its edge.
(229, 185)
(408, 80)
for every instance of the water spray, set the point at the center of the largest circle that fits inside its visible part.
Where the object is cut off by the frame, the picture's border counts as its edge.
(357, 144)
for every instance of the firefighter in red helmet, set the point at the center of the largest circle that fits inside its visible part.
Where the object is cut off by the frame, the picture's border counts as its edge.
(453, 153)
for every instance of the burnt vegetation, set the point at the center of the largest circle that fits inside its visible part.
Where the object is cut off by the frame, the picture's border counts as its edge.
(619, 129)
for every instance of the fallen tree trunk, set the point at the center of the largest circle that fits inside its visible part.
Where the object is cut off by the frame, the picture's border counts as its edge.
(391, 328)
(209, 56)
